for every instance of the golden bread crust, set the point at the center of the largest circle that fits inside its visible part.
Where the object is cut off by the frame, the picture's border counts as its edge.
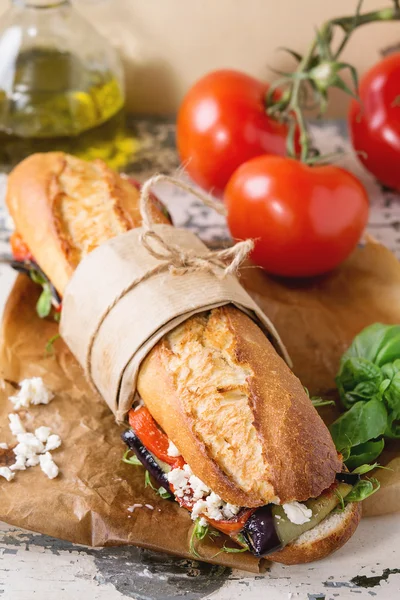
(64, 207)
(305, 550)
(238, 415)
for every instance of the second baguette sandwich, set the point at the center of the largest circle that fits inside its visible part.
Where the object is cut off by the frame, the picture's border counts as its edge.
(225, 426)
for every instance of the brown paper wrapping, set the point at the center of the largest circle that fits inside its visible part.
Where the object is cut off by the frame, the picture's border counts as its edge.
(110, 346)
(88, 502)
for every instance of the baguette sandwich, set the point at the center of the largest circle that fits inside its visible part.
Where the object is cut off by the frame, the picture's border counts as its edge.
(224, 426)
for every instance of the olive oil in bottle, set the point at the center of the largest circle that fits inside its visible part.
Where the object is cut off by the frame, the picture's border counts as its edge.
(61, 86)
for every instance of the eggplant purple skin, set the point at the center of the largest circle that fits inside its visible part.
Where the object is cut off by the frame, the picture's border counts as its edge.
(27, 266)
(260, 532)
(147, 460)
(350, 478)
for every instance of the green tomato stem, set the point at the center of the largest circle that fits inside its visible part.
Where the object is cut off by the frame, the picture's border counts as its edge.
(290, 107)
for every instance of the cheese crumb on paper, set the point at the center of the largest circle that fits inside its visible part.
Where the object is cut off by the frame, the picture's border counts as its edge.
(48, 465)
(43, 433)
(32, 391)
(15, 425)
(6, 473)
(53, 442)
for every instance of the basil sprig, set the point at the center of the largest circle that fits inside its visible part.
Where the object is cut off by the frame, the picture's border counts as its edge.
(369, 386)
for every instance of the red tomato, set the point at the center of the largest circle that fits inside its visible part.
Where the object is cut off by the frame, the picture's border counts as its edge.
(375, 124)
(305, 220)
(19, 249)
(222, 123)
(145, 427)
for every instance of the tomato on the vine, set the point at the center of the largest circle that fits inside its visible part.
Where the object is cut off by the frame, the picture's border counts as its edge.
(305, 220)
(222, 123)
(375, 123)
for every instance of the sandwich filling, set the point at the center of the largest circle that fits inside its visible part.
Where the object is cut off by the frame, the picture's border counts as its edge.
(261, 530)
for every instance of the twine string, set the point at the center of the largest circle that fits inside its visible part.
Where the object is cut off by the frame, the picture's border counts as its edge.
(174, 259)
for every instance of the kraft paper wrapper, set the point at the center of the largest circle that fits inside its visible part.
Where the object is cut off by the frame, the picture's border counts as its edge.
(88, 502)
(123, 337)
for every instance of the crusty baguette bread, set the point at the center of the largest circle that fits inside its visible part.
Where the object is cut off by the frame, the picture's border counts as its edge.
(239, 416)
(236, 412)
(65, 207)
(327, 537)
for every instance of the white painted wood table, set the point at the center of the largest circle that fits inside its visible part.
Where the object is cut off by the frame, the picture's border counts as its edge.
(35, 566)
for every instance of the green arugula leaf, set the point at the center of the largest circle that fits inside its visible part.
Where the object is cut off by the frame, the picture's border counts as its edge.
(199, 532)
(363, 489)
(43, 305)
(363, 453)
(362, 469)
(147, 481)
(163, 493)
(364, 421)
(49, 346)
(318, 402)
(131, 460)
(37, 277)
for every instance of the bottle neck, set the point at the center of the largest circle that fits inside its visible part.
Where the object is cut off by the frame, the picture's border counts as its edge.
(40, 3)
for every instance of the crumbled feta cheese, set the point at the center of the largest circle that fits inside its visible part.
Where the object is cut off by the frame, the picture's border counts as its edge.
(198, 508)
(24, 450)
(42, 433)
(230, 510)
(33, 461)
(35, 446)
(297, 513)
(32, 391)
(203, 522)
(179, 479)
(173, 450)
(6, 473)
(3, 446)
(19, 464)
(188, 486)
(199, 488)
(53, 442)
(15, 425)
(48, 466)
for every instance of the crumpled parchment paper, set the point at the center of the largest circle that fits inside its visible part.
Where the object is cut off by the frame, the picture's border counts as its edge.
(88, 503)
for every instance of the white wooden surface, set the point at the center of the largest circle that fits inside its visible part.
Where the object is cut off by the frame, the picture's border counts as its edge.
(33, 566)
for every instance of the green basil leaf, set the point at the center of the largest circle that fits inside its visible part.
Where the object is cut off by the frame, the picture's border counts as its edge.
(391, 396)
(364, 421)
(390, 369)
(362, 490)
(358, 379)
(393, 427)
(43, 305)
(377, 343)
(364, 453)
